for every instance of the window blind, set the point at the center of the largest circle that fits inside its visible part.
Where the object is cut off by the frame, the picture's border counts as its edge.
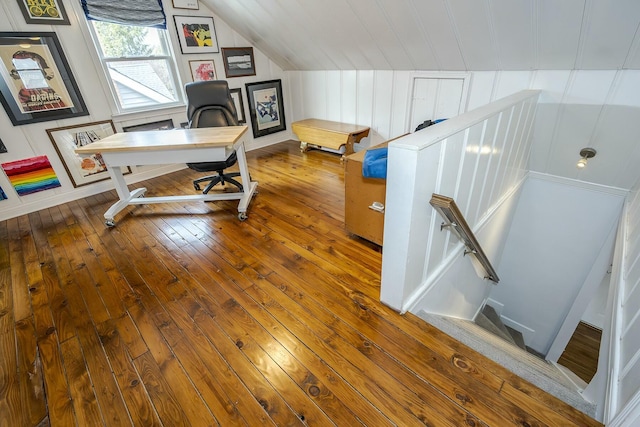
(141, 13)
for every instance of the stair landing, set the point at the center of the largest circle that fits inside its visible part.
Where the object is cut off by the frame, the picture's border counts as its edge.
(539, 372)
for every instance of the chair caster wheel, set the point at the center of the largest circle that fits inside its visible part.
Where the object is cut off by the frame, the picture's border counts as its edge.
(110, 223)
(242, 216)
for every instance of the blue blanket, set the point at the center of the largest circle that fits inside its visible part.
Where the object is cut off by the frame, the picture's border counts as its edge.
(375, 163)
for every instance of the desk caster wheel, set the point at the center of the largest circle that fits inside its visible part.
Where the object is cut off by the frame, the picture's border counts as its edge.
(242, 216)
(110, 223)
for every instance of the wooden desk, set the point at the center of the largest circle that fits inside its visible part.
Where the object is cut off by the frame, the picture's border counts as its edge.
(325, 133)
(171, 146)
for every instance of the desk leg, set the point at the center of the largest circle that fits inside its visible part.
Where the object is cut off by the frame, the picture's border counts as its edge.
(123, 193)
(248, 187)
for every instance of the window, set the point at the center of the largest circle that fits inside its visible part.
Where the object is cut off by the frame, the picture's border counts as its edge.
(139, 65)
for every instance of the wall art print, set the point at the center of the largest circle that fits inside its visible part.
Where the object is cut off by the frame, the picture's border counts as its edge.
(185, 4)
(236, 95)
(82, 170)
(49, 12)
(197, 34)
(238, 61)
(36, 83)
(203, 70)
(31, 175)
(3, 195)
(159, 125)
(266, 107)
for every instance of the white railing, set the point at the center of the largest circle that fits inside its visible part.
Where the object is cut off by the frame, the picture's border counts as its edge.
(478, 158)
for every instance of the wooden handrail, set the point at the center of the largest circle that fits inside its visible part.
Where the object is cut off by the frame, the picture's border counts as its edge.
(454, 221)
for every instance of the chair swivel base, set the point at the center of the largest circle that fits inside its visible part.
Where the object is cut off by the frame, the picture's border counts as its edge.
(221, 178)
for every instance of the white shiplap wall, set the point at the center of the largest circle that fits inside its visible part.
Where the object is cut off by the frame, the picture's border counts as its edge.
(630, 335)
(31, 140)
(622, 353)
(577, 108)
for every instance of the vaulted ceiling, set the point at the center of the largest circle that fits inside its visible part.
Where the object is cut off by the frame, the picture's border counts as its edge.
(443, 35)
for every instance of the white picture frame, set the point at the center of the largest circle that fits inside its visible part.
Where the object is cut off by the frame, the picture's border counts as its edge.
(186, 4)
(203, 70)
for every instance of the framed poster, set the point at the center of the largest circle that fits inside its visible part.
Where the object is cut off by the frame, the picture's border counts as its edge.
(266, 107)
(185, 4)
(197, 34)
(236, 94)
(204, 70)
(238, 61)
(49, 12)
(159, 125)
(3, 149)
(36, 84)
(86, 169)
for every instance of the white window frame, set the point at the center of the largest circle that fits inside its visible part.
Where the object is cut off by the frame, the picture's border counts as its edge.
(171, 66)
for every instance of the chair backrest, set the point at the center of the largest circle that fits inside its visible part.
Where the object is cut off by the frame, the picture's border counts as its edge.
(209, 104)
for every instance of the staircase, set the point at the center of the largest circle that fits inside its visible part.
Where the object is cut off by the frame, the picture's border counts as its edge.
(490, 321)
(505, 346)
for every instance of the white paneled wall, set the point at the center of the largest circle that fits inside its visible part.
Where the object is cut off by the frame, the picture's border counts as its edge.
(32, 140)
(478, 158)
(379, 99)
(577, 109)
(626, 326)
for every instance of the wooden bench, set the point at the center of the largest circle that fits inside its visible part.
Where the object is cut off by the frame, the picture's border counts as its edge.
(325, 133)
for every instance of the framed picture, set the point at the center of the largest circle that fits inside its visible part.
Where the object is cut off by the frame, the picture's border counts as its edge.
(196, 34)
(3, 149)
(50, 12)
(236, 94)
(203, 70)
(185, 4)
(238, 61)
(87, 169)
(265, 107)
(159, 125)
(36, 84)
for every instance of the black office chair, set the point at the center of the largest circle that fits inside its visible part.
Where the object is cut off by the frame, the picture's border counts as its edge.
(209, 104)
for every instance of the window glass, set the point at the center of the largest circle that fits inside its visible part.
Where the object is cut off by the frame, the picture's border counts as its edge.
(139, 65)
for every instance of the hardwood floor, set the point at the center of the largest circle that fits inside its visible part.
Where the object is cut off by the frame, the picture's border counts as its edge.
(182, 315)
(582, 352)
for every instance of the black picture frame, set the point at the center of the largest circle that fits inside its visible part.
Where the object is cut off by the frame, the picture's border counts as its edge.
(238, 61)
(197, 34)
(266, 107)
(159, 125)
(3, 148)
(51, 12)
(53, 96)
(236, 94)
